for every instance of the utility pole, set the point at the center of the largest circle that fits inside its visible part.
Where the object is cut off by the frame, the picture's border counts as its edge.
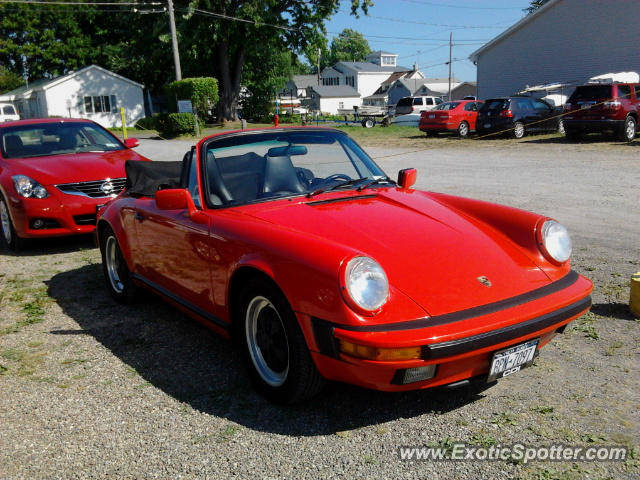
(450, 59)
(174, 41)
(319, 53)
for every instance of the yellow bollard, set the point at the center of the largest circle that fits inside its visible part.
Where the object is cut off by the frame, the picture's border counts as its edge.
(124, 123)
(634, 294)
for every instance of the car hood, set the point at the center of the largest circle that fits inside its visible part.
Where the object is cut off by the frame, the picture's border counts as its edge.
(79, 167)
(431, 253)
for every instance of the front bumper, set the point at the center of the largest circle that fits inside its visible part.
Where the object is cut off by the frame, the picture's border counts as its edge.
(59, 214)
(460, 344)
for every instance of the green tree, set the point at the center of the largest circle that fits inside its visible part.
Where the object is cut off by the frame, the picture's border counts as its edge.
(225, 46)
(535, 5)
(202, 91)
(9, 80)
(349, 46)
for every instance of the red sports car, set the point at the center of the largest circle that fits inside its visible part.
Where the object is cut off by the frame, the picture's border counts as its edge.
(55, 173)
(295, 244)
(459, 116)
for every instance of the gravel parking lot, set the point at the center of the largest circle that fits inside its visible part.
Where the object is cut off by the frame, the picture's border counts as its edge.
(92, 389)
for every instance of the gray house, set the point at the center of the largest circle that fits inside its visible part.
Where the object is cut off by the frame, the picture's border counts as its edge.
(565, 41)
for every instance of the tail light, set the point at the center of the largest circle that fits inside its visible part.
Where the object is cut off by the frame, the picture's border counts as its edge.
(613, 104)
(443, 116)
(506, 114)
(411, 110)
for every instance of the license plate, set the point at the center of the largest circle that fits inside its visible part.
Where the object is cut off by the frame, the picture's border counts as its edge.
(487, 125)
(432, 115)
(584, 107)
(512, 360)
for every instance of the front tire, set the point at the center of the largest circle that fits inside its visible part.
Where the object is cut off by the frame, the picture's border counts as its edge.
(116, 272)
(518, 130)
(9, 236)
(463, 129)
(628, 131)
(274, 348)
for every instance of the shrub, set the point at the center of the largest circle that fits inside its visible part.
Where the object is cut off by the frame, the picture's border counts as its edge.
(147, 123)
(202, 91)
(174, 124)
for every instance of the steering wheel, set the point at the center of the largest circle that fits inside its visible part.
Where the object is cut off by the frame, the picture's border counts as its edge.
(337, 176)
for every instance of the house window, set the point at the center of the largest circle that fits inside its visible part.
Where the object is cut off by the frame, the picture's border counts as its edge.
(388, 60)
(331, 81)
(351, 81)
(340, 104)
(100, 104)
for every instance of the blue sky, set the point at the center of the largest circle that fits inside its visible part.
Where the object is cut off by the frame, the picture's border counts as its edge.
(418, 30)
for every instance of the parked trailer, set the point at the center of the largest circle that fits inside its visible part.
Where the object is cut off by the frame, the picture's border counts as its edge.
(367, 115)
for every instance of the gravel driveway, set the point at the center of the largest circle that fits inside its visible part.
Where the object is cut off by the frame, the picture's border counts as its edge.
(92, 389)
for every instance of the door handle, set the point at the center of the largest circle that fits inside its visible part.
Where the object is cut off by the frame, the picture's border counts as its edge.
(138, 216)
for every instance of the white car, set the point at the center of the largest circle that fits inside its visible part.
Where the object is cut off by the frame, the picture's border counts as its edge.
(8, 113)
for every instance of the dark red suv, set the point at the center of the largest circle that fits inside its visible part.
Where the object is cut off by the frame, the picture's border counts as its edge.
(603, 107)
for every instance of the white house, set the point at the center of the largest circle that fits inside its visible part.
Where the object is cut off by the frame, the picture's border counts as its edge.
(565, 41)
(365, 77)
(298, 85)
(92, 92)
(331, 99)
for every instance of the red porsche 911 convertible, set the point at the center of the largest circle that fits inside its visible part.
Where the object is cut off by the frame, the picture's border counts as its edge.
(54, 173)
(296, 245)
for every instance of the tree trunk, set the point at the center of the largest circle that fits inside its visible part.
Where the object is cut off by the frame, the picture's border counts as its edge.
(230, 71)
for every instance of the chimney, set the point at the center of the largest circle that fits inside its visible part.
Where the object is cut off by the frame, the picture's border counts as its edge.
(415, 67)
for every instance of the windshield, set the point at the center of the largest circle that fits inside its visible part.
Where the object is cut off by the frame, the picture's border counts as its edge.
(44, 139)
(447, 106)
(591, 92)
(264, 165)
(495, 105)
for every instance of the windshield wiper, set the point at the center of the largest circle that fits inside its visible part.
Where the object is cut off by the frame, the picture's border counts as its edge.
(360, 183)
(374, 181)
(335, 186)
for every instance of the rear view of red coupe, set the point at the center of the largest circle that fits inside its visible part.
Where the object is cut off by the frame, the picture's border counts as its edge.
(54, 174)
(453, 117)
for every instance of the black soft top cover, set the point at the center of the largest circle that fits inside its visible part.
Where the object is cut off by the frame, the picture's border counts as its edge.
(146, 178)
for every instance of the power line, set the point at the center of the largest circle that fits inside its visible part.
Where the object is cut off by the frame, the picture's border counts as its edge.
(198, 11)
(466, 7)
(49, 2)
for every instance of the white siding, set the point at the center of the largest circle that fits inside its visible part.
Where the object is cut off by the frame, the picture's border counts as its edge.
(368, 83)
(331, 105)
(66, 98)
(570, 41)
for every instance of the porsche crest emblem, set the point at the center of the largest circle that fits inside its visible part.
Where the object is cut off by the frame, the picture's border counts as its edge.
(484, 281)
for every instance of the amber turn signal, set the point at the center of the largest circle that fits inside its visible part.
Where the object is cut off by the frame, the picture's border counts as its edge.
(376, 353)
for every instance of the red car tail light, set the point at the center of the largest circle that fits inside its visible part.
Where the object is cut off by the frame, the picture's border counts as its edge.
(612, 104)
(444, 116)
(506, 114)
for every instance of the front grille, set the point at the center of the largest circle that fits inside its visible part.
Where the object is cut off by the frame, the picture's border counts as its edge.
(96, 188)
(89, 219)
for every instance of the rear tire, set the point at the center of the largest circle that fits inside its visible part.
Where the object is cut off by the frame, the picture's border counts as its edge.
(628, 131)
(518, 130)
(116, 272)
(463, 129)
(368, 123)
(274, 348)
(8, 233)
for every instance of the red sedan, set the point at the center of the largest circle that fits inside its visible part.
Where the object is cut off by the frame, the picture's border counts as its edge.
(459, 116)
(55, 173)
(296, 245)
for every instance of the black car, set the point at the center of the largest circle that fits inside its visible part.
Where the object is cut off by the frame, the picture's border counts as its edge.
(517, 116)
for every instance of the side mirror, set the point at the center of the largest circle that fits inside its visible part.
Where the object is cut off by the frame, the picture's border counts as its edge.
(407, 177)
(179, 199)
(131, 142)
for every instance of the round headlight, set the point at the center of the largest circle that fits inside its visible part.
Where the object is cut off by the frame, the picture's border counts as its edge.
(556, 241)
(366, 283)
